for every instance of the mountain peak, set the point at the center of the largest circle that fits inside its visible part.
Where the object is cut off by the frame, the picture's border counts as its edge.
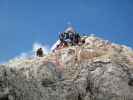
(96, 70)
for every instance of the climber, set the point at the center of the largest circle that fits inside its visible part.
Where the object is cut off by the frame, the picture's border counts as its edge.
(61, 36)
(39, 52)
(76, 38)
(71, 37)
(64, 38)
(66, 35)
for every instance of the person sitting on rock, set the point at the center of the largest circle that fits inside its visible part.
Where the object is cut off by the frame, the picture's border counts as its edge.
(39, 52)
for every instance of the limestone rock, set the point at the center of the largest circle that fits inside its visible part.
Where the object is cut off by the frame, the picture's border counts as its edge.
(97, 70)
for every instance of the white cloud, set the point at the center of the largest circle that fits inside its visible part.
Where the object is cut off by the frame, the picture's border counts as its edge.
(31, 53)
(23, 55)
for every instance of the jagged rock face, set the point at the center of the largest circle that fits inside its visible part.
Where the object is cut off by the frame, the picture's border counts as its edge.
(97, 70)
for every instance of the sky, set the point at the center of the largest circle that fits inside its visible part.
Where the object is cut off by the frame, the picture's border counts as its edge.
(26, 22)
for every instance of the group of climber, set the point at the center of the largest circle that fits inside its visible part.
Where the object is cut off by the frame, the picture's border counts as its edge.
(67, 38)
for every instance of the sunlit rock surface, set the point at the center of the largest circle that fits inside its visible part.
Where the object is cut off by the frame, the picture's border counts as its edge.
(97, 70)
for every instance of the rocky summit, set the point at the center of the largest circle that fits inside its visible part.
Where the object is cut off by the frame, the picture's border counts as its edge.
(96, 70)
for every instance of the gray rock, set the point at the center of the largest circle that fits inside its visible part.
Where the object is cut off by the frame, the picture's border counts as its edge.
(84, 79)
